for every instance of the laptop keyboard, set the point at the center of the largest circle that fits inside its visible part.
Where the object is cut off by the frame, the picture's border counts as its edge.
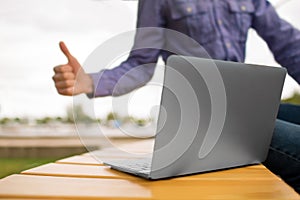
(139, 165)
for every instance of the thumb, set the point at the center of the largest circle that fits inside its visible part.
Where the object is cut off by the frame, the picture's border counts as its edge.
(72, 60)
(65, 50)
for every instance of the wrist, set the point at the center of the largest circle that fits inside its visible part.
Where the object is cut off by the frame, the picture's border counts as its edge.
(89, 89)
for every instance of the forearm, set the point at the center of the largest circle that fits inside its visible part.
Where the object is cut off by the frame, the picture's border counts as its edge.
(122, 79)
(133, 73)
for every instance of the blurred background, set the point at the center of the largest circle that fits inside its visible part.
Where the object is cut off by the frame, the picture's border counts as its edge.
(37, 123)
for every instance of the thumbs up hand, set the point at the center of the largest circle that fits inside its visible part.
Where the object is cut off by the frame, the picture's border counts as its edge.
(70, 79)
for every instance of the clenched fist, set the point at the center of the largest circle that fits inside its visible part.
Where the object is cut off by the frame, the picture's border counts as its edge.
(70, 79)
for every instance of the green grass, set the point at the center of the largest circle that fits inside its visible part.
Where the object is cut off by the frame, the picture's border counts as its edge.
(295, 99)
(10, 166)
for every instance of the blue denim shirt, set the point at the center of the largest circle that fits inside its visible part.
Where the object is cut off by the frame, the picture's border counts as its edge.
(220, 26)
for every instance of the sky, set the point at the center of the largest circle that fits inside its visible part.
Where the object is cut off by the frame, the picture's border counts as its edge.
(29, 36)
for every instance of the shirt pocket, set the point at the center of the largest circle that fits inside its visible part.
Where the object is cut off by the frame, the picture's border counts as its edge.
(193, 18)
(242, 13)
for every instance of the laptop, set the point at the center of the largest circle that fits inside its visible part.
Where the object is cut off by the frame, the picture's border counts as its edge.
(213, 115)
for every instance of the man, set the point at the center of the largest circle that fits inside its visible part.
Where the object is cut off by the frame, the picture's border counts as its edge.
(221, 28)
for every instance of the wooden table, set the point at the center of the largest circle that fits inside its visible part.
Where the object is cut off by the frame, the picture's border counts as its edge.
(84, 177)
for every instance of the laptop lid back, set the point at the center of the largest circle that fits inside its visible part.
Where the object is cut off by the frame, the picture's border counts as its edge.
(214, 115)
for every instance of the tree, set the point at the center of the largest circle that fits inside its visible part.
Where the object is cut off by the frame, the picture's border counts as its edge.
(77, 114)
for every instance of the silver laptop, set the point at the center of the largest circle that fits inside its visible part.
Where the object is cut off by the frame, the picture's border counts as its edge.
(214, 115)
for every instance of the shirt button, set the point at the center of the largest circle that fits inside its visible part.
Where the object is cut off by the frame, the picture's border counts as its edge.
(243, 8)
(189, 9)
(228, 45)
(220, 22)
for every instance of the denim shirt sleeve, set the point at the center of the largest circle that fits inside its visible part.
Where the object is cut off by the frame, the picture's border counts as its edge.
(282, 38)
(139, 67)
